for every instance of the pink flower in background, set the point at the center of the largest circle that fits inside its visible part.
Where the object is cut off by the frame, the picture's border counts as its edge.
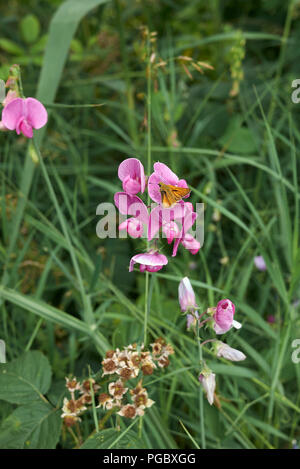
(131, 173)
(151, 261)
(208, 380)
(260, 263)
(133, 226)
(24, 115)
(223, 350)
(223, 316)
(162, 174)
(271, 319)
(186, 295)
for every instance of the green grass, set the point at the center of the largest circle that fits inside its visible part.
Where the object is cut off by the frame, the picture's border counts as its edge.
(69, 294)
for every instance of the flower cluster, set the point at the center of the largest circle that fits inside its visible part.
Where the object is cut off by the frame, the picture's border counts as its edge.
(21, 114)
(220, 319)
(174, 220)
(119, 366)
(73, 407)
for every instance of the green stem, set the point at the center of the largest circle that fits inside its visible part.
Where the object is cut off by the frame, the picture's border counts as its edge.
(148, 172)
(201, 410)
(146, 307)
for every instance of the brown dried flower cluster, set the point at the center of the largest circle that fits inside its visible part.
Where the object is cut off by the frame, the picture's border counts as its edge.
(121, 365)
(73, 407)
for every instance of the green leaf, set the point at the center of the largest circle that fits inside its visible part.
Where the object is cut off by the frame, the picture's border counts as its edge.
(62, 29)
(34, 426)
(111, 438)
(238, 139)
(2, 351)
(11, 47)
(25, 379)
(30, 28)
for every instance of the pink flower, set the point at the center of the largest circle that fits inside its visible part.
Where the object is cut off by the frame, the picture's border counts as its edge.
(208, 380)
(133, 226)
(162, 174)
(151, 261)
(191, 244)
(23, 115)
(171, 231)
(185, 238)
(131, 205)
(186, 295)
(260, 263)
(161, 216)
(224, 316)
(131, 173)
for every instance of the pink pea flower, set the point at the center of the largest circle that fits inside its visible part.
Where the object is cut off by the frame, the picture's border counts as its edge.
(162, 174)
(187, 240)
(223, 317)
(186, 296)
(223, 350)
(171, 230)
(8, 98)
(132, 205)
(133, 226)
(23, 115)
(161, 216)
(131, 173)
(260, 263)
(150, 261)
(208, 380)
(190, 243)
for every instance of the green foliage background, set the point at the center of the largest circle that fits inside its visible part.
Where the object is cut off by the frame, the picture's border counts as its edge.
(66, 296)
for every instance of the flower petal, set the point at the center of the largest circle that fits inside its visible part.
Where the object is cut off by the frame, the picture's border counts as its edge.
(36, 113)
(12, 113)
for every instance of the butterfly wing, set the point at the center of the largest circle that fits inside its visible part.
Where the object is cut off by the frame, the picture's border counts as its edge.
(170, 195)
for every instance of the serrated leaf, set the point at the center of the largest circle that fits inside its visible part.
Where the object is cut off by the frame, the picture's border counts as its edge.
(25, 379)
(30, 28)
(34, 426)
(110, 438)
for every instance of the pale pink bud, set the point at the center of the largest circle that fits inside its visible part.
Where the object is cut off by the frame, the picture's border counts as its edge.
(186, 295)
(208, 380)
(223, 350)
(191, 320)
(260, 263)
